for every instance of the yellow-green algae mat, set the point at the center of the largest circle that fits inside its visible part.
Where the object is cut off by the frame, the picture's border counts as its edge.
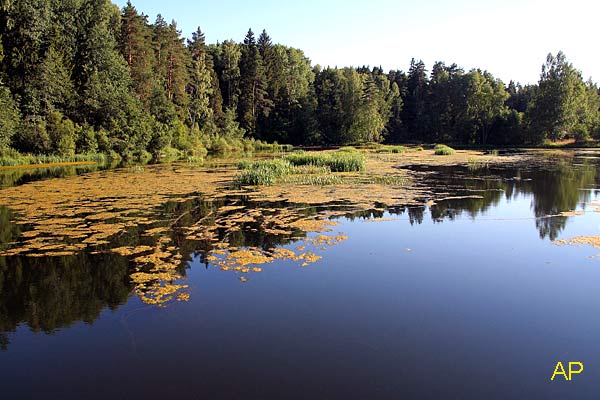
(61, 217)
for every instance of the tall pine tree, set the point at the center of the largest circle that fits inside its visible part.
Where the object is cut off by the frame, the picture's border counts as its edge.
(254, 101)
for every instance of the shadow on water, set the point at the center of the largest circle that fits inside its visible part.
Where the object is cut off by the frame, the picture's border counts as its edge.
(52, 293)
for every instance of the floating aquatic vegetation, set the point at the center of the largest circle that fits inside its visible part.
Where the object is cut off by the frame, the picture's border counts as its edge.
(314, 225)
(93, 208)
(248, 260)
(130, 251)
(155, 274)
(155, 216)
(593, 241)
(571, 213)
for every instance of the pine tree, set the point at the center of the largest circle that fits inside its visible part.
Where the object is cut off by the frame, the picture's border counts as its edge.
(227, 61)
(215, 97)
(102, 80)
(267, 54)
(254, 100)
(415, 103)
(172, 63)
(136, 47)
(200, 86)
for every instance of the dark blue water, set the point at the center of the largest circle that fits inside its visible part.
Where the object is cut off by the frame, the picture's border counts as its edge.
(468, 299)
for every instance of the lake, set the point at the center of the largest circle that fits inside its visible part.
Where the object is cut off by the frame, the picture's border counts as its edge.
(157, 282)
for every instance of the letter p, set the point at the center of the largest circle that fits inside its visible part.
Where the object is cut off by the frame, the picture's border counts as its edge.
(577, 371)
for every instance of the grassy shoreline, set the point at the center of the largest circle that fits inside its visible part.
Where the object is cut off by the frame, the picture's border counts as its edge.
(13, 159)
(48, 165)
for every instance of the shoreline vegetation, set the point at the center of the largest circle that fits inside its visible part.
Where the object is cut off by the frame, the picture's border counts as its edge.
(14, 159)
(88, 81)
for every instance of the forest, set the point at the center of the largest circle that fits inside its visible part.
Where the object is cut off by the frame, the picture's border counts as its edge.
(83, 77)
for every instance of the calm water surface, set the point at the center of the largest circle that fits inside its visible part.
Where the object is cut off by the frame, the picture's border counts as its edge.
(467, 298)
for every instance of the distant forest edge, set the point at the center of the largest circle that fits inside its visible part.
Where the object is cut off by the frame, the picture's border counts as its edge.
(85, 77)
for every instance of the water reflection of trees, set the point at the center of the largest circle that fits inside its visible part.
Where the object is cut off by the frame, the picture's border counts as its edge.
(251, 233)
(52, 293)
(20, 176)
(553, 188)
(8, 232)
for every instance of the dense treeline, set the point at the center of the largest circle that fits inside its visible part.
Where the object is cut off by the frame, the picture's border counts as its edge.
(83, 76)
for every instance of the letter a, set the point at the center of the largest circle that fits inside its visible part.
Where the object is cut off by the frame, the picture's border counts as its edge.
(561, 368)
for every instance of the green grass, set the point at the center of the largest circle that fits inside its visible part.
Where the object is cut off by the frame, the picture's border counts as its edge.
(300, 168)
(13, 158)
(340, 161)
(194, 159)
(304, 158)
(348, 149)
(324, 179)
(310, 170)
(443, 150)
(346, 162)
(371, 145)
(391, 149)
(263, 173)
(272, 147)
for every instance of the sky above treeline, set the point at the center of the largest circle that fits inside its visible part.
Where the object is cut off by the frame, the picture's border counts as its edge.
(509, 38)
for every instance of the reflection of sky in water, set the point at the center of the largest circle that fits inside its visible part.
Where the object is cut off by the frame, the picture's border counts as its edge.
(464, 308)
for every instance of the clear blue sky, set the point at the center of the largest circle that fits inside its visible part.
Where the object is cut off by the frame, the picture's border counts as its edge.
(509, 38)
